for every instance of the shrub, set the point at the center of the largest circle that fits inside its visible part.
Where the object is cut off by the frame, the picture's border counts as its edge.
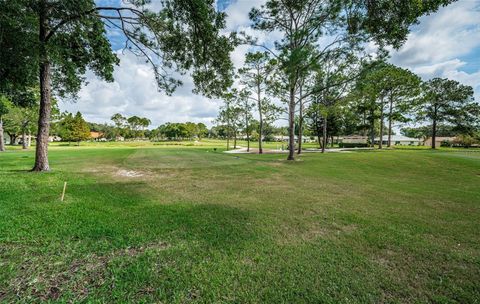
(353, 145)
(445, 143)
(465, 141)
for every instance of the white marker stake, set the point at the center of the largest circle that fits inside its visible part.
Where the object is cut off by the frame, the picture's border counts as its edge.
(64, 188)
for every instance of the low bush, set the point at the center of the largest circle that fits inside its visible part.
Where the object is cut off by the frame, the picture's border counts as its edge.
(353, 145)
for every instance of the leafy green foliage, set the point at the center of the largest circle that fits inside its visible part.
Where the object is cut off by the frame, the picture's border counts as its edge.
(179, 131)
(448, 101)
(384, 91)
(183, 36)
(353, 23)
(74, 128)
(137, 125)
(63, 39)
(5, 105)
(22, 117)
(389, 21)
(426, 131)
(18, 61)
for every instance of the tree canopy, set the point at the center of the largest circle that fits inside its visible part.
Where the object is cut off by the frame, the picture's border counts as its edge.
(351, 24)
(74, 128)
(447, 100)
(64, 39)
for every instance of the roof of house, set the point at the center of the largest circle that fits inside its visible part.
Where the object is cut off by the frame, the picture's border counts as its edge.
(442, 138)
(398, 138)
(354, 137)
(94, 134)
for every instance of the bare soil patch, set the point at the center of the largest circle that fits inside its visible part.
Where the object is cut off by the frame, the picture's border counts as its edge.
(129, 173)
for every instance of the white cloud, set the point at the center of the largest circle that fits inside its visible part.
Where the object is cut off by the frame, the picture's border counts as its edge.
(451, 70)
(134, 92)
(451, 32)
(437, 69)
(238, 13)
(435, 46)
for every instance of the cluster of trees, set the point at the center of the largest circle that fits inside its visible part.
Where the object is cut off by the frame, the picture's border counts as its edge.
(236, 115)
(129, 127)
(339, 89)
(385, 94)
(17, 122)
(321, 50)
(51, 44)
(366, 99)
(321, 83)
(19, 114)
(179, 131)
(72, 128)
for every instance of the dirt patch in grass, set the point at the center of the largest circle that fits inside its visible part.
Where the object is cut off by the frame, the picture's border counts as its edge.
(129, 173)
(45, 280)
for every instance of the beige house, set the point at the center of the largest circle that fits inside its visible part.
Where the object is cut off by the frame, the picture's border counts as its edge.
(96, 135)
(438, 141)
(354, 139)
(399, 140)
(305, 139)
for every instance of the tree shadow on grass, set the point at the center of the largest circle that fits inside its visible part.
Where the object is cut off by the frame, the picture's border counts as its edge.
(216, 226)
(75, 242)
(126, 215)
(13, 171)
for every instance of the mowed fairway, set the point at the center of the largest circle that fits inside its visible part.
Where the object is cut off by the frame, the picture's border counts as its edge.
(187, 224)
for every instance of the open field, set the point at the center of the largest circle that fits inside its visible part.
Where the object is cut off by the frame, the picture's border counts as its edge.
(179, 224)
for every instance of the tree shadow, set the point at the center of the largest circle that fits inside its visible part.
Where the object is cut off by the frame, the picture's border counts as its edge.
(17, 171)
(125, 215)
(100, 224)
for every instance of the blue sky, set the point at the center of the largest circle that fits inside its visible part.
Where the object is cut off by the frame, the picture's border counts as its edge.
(444, 44)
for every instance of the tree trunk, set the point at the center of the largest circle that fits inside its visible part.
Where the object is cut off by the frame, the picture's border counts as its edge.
(389, 144)
(291, 125)
(260, 126)
(235, 139)
(228, 128)
(13, 138)
(434, 134)
(434, 128)
(300, 126)
(247, 132)
(324, 134)
(29, 139)
(318, 130)
(41, 153)
(2, 139)
(372, 131)
(24, 140)
(380, 143)
(364, 122)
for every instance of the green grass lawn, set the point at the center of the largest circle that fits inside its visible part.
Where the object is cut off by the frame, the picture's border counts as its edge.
(178, 224)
